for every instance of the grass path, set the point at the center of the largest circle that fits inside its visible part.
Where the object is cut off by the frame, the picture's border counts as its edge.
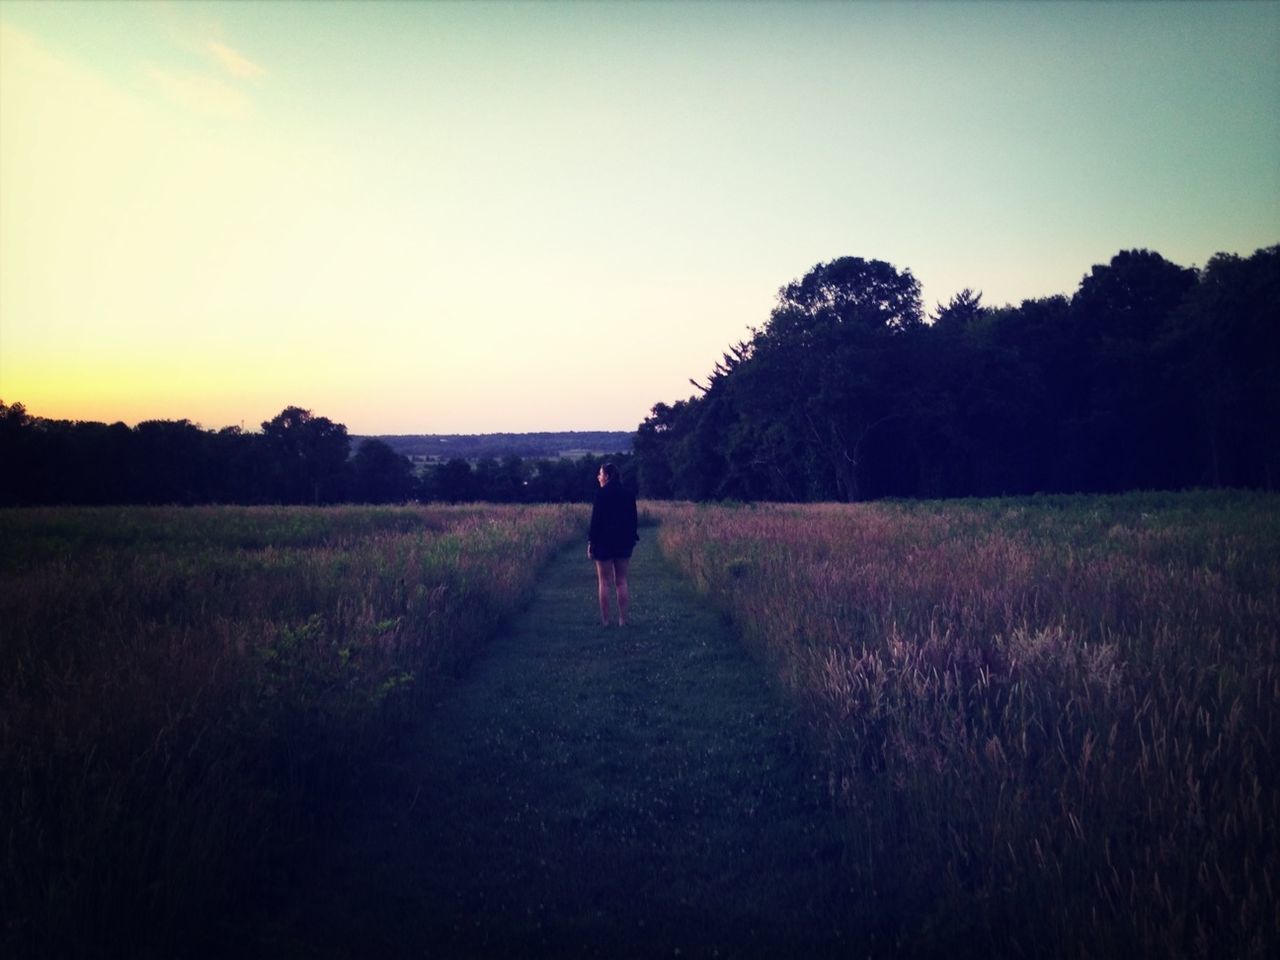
(585, 791)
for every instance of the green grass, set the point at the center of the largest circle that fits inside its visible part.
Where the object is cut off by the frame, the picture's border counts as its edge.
(589, 791)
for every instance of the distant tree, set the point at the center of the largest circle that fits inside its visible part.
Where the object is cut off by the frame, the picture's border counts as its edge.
(98, 463)
(241, 470)
(566, 480)
(988, 408)
(1039, 336)
(77, 462)
(1132, 297)
(556, 481)
(837, 336)
(850, 292)
(451, 481)
(960, 311)
(380, 475)
(18, 476)
(490, 483)
(308, 456)
(1229, 338)
(13, 418)
(653, 452)
(793, 412)
(1133, 413)
(170, 462)
(511, 481)
(769, 447)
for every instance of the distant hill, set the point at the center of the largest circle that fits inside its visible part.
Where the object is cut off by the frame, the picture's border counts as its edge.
(574, 443)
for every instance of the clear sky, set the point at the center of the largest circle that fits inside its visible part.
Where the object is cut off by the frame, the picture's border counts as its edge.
(482, 217)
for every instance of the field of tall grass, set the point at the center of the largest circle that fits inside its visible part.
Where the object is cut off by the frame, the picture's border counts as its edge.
(190, 696)
(1051, 722)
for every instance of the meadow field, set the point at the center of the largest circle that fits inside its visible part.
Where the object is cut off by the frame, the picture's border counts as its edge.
(1049, 723)
(189, 696)
(1052, 721)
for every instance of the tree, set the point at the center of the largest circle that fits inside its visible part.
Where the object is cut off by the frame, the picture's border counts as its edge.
(1040, 398)
(848, 292)
(1135, 413)
(563, 480)
(837, 336)
(791, 413)
(380, 475)
(496, 483)
(653, 450)
(512, 479)
(170, 461)
(451, 481)
(960, 311)
(18, 453)
(1132, 297)
(309, 456)
(1229, 329)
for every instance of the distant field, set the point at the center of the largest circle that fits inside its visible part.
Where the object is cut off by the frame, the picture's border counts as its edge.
(1056, 717)
(499, 445)
(188, 695)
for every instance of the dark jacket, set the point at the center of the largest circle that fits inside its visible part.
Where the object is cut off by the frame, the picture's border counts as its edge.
(613, 531)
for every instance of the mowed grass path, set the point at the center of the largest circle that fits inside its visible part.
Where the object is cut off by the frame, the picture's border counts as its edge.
(583, 791)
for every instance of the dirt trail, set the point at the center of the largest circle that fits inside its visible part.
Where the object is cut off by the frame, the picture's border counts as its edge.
(591, 792)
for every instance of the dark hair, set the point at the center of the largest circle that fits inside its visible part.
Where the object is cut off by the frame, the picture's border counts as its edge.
(610, 471)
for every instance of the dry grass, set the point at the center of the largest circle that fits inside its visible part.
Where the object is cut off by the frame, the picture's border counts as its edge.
(1052, 721)
(189, 695)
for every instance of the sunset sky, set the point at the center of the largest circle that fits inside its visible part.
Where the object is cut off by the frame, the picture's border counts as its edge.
(483, 217)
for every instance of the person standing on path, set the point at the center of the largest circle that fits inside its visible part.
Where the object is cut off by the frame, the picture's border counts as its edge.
(611, 539)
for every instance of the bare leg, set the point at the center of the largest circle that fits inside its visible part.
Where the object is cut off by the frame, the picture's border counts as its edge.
(604, 581)
(624, 593)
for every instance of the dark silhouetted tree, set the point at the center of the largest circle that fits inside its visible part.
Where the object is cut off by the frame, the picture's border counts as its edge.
(1229, 339)
(171, 462)
(1151, 375)
(1131, 414)
(451, 481)
(20, 456)
(960, 311)
(838, 334)
(380, 475)
(308, 456)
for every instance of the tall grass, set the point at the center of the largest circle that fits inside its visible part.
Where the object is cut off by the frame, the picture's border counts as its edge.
(1052, 722)
(190, 696)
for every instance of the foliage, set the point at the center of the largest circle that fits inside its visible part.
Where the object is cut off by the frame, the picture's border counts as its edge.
(514, 480)
(298, 458)
(308, 455)
(191, 696)
(1152, 376)
(527, 446)
(381, 475)
(1053, 719)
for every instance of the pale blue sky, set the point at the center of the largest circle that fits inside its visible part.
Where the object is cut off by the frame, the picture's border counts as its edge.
(430, 217)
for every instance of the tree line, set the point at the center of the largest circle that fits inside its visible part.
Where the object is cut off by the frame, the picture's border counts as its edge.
(1150, 376)
(527, 446)
(297, 458)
